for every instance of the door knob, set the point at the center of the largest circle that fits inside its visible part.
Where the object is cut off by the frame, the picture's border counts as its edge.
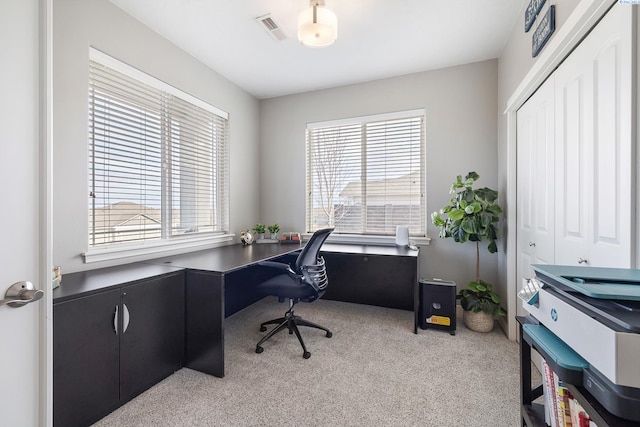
(21, 293)
(582, 261)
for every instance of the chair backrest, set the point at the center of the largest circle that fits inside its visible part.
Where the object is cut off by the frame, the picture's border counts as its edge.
(311, 265)
(311, 252)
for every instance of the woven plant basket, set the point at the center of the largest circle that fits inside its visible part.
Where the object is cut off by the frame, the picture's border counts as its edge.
(479, 322)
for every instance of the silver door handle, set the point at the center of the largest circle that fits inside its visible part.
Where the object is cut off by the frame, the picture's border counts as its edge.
(125, 318)
(20, 294)
(115, 321)
(532, 244)
(582, 261)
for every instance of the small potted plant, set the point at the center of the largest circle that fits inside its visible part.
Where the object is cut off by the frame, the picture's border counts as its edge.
(479, 297)
(273, 229)
(259, 230)
(472, 216)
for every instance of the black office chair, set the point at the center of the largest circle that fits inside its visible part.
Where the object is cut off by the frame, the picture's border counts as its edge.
(305, 280)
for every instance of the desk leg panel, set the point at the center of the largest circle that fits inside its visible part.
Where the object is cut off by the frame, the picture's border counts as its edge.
(204, 325)
(385, 281)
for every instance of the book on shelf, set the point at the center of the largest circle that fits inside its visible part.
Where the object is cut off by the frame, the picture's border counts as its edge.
(549, 395)
(564, 412)
(561, 408)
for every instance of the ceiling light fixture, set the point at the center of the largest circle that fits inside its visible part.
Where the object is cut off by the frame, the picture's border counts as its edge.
(318, 26)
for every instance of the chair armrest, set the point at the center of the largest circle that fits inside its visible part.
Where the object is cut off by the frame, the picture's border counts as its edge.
(280, 266)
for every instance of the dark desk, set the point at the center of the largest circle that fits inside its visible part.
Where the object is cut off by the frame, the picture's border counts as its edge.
(219, 282)
(222, 281)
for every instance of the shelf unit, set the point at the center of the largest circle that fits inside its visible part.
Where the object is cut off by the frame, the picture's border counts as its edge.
(533, 413)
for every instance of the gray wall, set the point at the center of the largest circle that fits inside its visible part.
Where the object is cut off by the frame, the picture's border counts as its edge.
(79, 24)
(461, 135)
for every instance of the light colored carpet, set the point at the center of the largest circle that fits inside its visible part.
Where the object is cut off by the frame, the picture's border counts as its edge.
(373, 372)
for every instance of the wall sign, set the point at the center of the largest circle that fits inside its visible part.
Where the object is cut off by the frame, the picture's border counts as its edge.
(534, 8)
(542, 34)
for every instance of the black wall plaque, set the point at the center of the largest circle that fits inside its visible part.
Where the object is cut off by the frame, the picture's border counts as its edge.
(533, 9)
(542, 34)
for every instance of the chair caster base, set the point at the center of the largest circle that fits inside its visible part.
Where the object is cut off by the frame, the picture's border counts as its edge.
(259, 349)
(306, 355)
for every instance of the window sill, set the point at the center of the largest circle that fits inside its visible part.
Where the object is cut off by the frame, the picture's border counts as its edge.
(128, 251)
(357, 239)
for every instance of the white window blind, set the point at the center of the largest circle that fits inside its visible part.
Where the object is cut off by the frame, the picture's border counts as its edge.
(158, 163)
(367, 175)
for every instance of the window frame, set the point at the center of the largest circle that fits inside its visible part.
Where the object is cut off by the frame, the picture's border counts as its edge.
(371, 238)
(193, 241)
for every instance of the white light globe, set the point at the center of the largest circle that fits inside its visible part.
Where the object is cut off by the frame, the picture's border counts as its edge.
(321, 33)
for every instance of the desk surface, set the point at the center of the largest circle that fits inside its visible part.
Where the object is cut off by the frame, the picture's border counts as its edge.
(89, 282)
(226, 259)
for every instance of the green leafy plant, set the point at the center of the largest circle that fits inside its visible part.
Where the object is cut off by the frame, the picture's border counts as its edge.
(479, 296)
(471, 216)
(259, 228)
(273, 229)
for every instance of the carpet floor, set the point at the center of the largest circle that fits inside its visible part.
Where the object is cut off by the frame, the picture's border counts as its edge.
(373, 372)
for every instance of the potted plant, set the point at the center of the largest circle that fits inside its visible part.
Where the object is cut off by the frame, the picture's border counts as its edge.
(273, 229)
(472, 215)
(259, 230)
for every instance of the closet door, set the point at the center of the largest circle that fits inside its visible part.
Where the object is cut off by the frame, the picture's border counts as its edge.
(535, 211)
(593, 147)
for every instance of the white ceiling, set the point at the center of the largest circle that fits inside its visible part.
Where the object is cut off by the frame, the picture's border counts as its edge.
(376, 38)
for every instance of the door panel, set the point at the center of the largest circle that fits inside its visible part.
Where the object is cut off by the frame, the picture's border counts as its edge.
(152, 347)
(593, 145)
(612, 154)
(535, 212)
(86, 355)
(20, 383)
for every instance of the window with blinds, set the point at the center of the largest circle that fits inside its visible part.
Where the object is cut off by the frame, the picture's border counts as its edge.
(367, 175)
(158, 162)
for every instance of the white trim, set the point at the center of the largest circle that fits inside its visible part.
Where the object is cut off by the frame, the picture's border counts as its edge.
(372, 118)
(357, 239)
(111, 62)
(583, 18)
(45, 398)
(156, 247)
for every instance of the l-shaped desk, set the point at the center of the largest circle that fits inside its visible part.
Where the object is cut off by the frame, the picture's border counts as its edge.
(128, 327)
(222, 281)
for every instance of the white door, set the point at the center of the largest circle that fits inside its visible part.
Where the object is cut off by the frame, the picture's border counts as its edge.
(593, 147)
(23, 382)
(535, 208)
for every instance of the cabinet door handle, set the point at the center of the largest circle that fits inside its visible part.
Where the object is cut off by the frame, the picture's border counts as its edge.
(532, 244)
(115, 321)
(582, 261)
(125, 318)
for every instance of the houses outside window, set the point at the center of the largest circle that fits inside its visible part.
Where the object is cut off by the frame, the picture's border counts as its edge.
(158, 159)
(366, 175)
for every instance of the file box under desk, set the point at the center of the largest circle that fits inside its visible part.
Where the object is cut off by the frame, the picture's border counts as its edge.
(437, 305)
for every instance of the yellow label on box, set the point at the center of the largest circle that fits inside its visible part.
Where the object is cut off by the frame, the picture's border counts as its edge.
(439, 320)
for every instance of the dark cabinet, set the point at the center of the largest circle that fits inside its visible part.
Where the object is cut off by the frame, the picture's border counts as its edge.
(152, 347)
(110, 346)
(374, 279)
(86, 377)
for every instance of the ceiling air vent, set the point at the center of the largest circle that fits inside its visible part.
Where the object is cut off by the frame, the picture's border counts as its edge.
(271, 27)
